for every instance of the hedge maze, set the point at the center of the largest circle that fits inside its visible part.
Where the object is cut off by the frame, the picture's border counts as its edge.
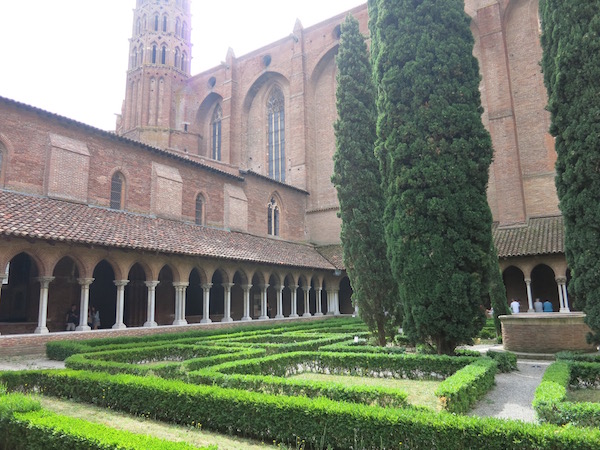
(238, 381)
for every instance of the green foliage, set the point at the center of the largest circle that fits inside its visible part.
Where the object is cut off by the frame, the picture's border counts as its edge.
(507, 361)
(458, 392)
(358, 183)
(571, 66)
(434, 158)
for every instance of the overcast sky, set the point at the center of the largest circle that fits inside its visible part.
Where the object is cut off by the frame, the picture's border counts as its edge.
(70, 56)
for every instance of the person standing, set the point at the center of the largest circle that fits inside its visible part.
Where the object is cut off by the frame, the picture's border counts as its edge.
(515, 306)
(72, 318)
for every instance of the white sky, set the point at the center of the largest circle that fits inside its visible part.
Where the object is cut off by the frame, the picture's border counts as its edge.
(70, 56)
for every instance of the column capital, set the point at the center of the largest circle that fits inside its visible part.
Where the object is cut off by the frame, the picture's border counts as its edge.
(561, 280)
(306, 288)
(151, 284)
(206, 285)
(119, 283)
(45, 281)
(228, 285)
(263, 286)
(293, 287)
(246, 287)
(85, 281)
(527, 280)
(180, 284)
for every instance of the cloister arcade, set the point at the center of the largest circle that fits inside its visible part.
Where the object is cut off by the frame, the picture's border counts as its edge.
(132, 289)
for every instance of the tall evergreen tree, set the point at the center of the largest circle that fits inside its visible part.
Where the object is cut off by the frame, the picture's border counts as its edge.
(434, 156)
(571, 66)
(358, 182)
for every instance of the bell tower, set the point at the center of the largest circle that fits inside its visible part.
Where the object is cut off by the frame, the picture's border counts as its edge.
(160, 52)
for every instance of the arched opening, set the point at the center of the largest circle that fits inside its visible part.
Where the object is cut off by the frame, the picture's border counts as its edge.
(19, 302)
(543, 285)
(103, 293)
(200, 210)
(255, 296)
(324, 299)
(276, 134)
(194, 307)
(286, 296)
(165, 297)
(217, 297)
(300, 296)
(237, 296)
(117, 191)
(272, 292)
(63, 292)
(345, 297)
(136, 297)
(514, 282)
(312, 299)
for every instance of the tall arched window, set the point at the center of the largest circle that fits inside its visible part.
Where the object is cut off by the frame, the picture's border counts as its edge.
(138, 27)
(164, 23)
(216, 132)
(134, 58)
(273, 218)
(163, 55)
(199, 210)
(276, 134)
(154, 54)
(177, 58)
(156, 20)
(184, 31)
(177, 26)
(183, 61)
(117, 191)
(141, 55)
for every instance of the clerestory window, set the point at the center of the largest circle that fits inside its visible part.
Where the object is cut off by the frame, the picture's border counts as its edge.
(216, 133)
(199, 210)
(117, 191)
(276, 134)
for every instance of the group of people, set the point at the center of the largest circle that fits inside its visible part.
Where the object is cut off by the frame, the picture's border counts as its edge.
(538, 306)
(72, 318)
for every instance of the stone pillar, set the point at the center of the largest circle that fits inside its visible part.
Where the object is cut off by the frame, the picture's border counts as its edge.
(43, 310)
(306, 302)
(336, 304)
(263, 301)
(3, 277)
(318, 291)
(562, 294)
(206, 291)
(294, 300)
(151, 285)
(227, 315)
(279, 314)
(120, 304)
(529, 299)
(329, 311)
(84, 303)
(247, 317)
(180, 289)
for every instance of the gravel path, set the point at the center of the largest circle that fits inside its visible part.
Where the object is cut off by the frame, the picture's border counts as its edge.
(512, 395)
(29, 362)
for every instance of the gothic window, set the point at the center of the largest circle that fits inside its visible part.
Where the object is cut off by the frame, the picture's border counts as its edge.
(145, 24)
(141, 55)
(164, 23)
(138, 28)
(177, 58)
(134, 58)
(184, 31)
(276, 135)
(156, 19)
(273, 218)
(183, 61)
(177, 26)
(199, 210)
(117, 193)
(163, 55)
(216, 133)
(154, 54)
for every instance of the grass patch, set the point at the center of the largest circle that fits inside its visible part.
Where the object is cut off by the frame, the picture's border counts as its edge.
(583, 395)
(420, 392)
(142, 425)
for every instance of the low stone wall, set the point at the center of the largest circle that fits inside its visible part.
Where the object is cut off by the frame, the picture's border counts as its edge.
(545, 332)
(35, 344)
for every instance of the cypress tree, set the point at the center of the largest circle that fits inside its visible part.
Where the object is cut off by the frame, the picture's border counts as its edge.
(358, 182)
(571, 66)
(434, 157)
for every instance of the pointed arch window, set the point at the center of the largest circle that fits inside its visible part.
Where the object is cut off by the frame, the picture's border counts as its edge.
(276, 135)
(138, 28)
(177, 58)
(216, 132)
(156, 21)
(154, 49)
(177, 26)
(184, 31)
(141, 55)
(163, 55)
(199, 210)
(183, 61)
(164, 23)
(273, 218)
(134, 58)
(117, 191)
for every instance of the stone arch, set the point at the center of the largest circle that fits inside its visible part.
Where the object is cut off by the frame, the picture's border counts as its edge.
(81, 267)
(258, 280)
(103, 292)
(63, 292)
(514, 283)
(165, 295)
(543, 285)
(19, 305)
(240, 278)
(136, 296)
(217, 294)
(202, 123)
(289, 281)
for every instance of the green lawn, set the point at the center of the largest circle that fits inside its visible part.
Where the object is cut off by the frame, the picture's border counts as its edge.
(584, 395)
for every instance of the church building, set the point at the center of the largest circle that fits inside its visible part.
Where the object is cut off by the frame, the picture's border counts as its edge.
(212, 200)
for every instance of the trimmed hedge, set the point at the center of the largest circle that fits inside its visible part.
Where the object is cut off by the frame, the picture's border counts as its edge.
(286, 419)
(507, 361)
(458, 392)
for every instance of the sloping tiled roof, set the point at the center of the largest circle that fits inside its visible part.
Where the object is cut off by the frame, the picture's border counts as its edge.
(54, 220)
(333, 254)
(541, 236)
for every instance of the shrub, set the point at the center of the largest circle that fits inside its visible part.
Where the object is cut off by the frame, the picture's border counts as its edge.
(507, 361)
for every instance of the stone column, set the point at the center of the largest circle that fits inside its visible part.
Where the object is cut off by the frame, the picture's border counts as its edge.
(306, 302)
(84, 303)
(279, 314)
(43, 310)
(294, 300)
(336, 302)
(318, 291)
(263, 301)
(151, 285)
(180, 289)
(247, 317)
(119, 325)
(227, 315)
(529, 299)
(562, 294)
(3, 277)
(206, 291)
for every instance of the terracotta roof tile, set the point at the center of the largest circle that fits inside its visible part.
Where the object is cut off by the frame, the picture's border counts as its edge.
(333, 254)
(541, 236)
(44, 218)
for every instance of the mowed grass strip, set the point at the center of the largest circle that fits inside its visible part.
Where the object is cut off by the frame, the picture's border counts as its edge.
(583, 395)
(141, 425)
(420, 392)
